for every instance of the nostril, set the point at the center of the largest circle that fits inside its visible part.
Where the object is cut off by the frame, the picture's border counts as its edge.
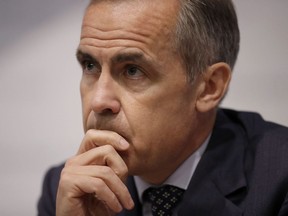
(107, 111)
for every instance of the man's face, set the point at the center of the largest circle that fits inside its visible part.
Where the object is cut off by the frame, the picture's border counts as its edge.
(134, 83)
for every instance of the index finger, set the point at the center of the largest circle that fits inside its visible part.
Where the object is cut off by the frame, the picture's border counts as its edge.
(95, 138)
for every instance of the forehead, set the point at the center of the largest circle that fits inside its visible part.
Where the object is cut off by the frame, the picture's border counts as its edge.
(147, 18)
(130, 9)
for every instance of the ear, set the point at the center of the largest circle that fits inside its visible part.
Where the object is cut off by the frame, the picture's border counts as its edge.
(213, 86)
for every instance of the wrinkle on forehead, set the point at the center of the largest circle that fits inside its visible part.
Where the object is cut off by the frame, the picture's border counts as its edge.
(107, 39)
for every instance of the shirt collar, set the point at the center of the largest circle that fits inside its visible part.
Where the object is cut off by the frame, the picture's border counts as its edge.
(182, 176)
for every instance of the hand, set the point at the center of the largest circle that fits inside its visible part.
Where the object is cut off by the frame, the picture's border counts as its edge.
(92, 182)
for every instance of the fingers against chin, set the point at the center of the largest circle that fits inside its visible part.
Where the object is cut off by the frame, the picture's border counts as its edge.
(96, 138)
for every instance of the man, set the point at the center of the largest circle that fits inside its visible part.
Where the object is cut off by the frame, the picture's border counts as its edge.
(154, 73)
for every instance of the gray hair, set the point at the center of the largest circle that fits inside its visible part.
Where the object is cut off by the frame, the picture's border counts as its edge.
(206, 33)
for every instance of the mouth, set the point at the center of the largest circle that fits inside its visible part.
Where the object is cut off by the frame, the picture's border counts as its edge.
(116, 129)
(109, 123)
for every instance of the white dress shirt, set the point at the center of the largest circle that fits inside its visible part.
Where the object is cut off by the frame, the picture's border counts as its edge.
(180, 178)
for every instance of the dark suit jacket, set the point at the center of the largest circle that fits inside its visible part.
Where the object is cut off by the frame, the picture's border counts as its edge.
(244, 171)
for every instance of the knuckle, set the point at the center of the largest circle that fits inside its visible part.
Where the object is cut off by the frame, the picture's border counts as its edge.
(98, 185)
(71, 161)
(106, 171)
(65, 177)
(109, 149)
(122, 172)
(89, 132)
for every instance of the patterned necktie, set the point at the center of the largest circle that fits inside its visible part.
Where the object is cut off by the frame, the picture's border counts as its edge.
(163, 199)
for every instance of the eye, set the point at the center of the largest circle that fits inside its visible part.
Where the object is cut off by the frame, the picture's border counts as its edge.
(90, 67)
(133, 72)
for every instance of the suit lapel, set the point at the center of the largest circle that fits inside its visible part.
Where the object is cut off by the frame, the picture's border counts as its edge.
(218, 185)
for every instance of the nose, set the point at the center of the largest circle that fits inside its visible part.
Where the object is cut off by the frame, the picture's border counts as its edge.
(105, 95)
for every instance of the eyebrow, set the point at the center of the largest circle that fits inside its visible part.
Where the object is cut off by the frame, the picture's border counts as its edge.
(118, 58)
(129, 56)
(81, 56)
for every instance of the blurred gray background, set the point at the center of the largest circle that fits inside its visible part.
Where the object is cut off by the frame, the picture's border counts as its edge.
(40, 107)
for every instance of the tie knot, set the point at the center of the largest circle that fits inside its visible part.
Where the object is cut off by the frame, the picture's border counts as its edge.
(163, 199)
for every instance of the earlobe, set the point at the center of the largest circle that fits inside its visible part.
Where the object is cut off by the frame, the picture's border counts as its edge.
(213, 86)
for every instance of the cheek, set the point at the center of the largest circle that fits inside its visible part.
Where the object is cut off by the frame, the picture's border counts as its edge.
(86, 111)
(160, 136)
(160, 121)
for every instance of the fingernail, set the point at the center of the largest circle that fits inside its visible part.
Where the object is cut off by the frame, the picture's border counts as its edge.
(131, 204)
(124, 143)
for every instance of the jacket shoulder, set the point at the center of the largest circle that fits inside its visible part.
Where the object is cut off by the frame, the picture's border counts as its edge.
(266, 164)
(253, 124)
(47, 202)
